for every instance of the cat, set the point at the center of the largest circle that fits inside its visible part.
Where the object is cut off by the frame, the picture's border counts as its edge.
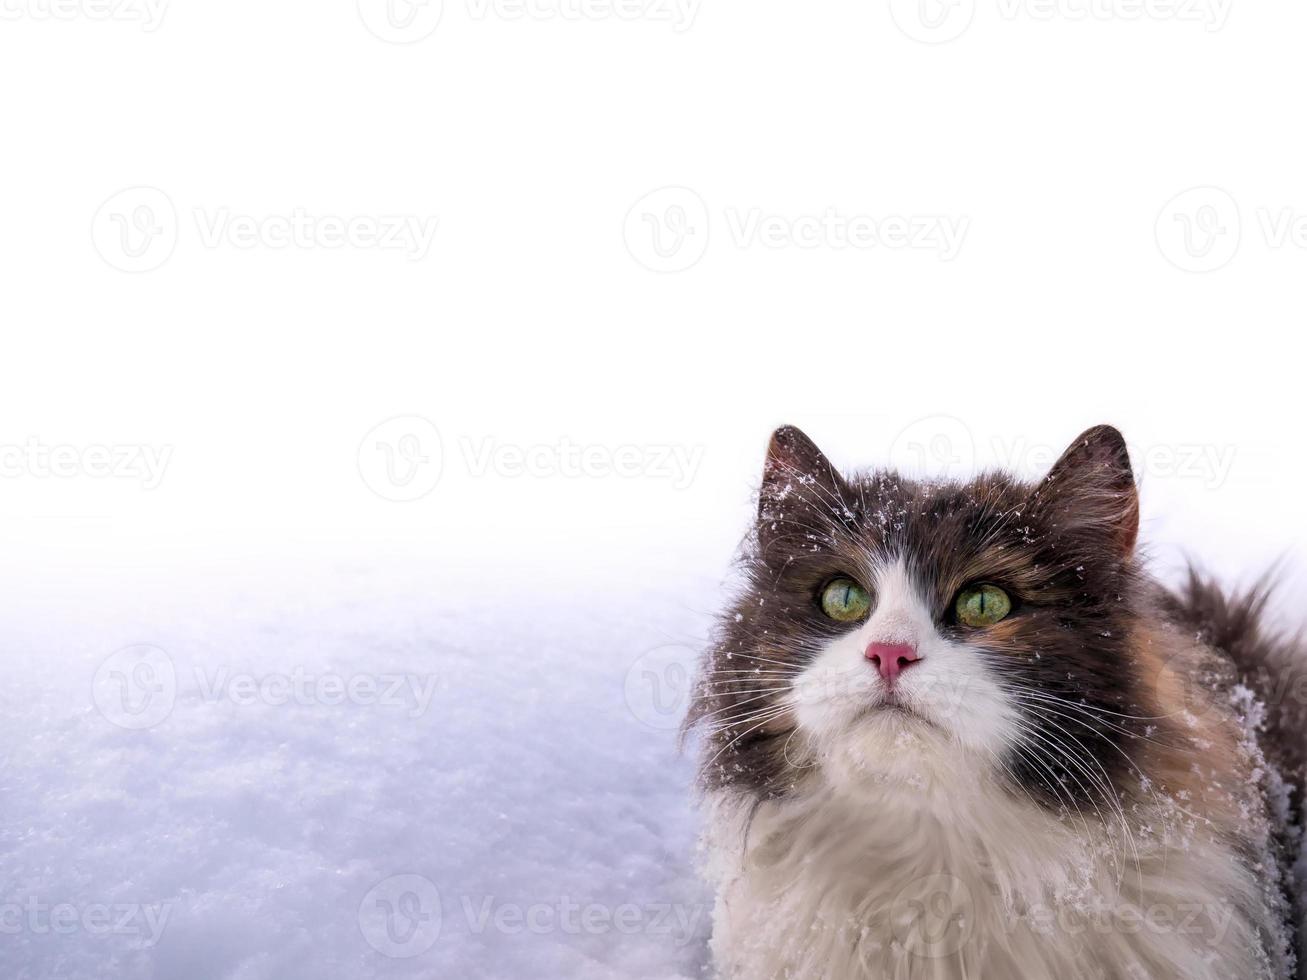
(955, 730)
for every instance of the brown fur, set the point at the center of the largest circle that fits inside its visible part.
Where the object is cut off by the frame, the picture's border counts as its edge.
(1151, 674)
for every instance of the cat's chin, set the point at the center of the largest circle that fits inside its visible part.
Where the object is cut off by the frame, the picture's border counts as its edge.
(890, 746)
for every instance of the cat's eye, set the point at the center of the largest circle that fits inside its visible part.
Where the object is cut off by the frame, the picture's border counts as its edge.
(844, 600)
(982, 605)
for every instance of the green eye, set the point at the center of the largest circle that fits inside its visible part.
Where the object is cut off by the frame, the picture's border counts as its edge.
(844, 600)
(982, 605)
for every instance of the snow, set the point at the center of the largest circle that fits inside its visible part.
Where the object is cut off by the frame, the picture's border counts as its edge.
(500, 785)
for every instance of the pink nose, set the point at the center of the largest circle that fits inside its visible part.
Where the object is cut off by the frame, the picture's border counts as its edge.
(891, 659)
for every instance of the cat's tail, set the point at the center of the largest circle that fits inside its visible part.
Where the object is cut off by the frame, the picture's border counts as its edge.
(1269, 662)
(1273, 665)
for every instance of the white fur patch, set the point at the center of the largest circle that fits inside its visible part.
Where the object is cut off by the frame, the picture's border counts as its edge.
(839, 699)
(902, 853)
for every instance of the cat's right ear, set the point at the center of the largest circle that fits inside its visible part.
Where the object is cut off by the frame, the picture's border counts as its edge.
(797, 476)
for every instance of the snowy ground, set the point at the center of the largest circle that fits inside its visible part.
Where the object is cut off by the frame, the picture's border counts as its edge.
(191, 790)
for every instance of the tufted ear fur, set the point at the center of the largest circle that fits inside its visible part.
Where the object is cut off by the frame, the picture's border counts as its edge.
(1090, 492)
(800, 488)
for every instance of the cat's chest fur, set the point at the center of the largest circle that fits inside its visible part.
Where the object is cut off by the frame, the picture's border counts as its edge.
(907, 881)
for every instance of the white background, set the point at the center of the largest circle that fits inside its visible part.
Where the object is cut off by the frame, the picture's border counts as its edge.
(529, 321)
(1067, 139)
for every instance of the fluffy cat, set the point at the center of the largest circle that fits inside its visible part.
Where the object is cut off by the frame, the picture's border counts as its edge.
(955, 731)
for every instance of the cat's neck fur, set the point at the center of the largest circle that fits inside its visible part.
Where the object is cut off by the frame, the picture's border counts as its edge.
(933, 869)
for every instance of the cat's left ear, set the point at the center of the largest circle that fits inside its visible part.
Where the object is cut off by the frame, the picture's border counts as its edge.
(798, 476)
(1091, 490)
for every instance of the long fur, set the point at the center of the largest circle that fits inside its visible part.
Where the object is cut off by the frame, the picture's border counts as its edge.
(1092, 788)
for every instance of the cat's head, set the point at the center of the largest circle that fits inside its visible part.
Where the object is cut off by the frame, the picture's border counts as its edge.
(892, 628)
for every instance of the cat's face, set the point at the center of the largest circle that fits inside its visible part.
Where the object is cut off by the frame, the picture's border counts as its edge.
(891, 628)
